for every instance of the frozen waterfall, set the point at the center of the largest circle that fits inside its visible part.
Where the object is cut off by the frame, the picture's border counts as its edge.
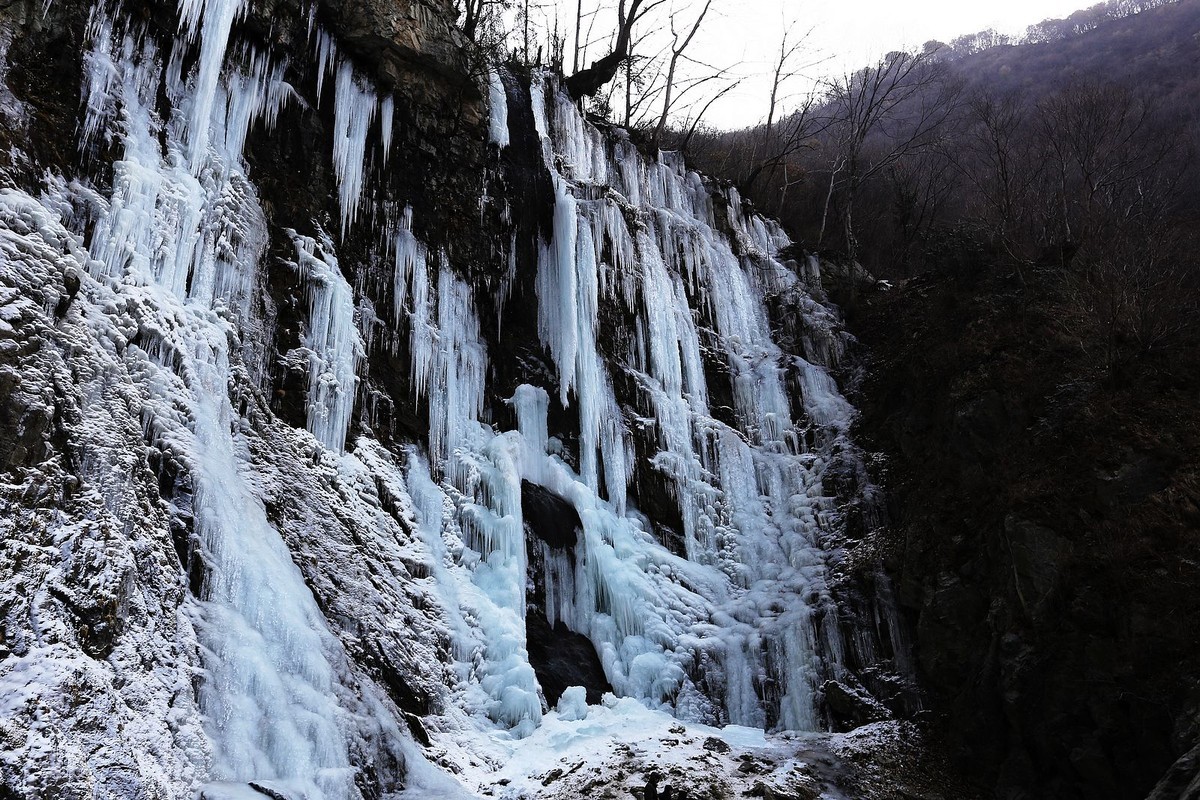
(746, 606)
(182, 232)
(651, 396)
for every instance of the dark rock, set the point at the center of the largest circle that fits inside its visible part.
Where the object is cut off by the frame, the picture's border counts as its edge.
(716, 745)
(549, 517)
(274, 794)
(71, 283)
(1039, 557)
(1182, 781)
(1032, 536)
(561, 658)
(396, 36)
(851, 706)
(417, 729)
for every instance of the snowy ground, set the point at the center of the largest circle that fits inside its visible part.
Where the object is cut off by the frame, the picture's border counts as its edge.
(621, 749)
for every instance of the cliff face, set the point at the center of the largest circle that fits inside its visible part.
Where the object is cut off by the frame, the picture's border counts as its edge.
(1045, 539)
(364, 405)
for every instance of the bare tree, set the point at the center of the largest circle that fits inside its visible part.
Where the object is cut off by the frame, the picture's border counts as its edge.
(693, 123)
(641, 82)
(578, 36)
(677, 48)
(898, 106)
(919, 187)
(475, 14)
(776, 142)
(1099, 140)
(586, 82)
(1003, 168)
(785, 68)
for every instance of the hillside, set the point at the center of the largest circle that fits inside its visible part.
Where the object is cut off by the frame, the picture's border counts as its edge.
(1040, 444)
(1158, 49)
(1029, 379)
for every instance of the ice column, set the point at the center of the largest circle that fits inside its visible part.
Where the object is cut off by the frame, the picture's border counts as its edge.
(498, 104)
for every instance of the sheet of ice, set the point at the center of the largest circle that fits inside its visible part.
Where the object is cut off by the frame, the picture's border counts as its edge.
(498, 107)
(181, 235)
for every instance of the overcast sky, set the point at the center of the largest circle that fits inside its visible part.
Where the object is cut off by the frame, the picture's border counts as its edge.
(846, 34)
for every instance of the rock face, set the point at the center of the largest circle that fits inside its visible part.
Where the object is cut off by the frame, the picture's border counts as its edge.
(401, 40)
(1045, 531)
(350, 418)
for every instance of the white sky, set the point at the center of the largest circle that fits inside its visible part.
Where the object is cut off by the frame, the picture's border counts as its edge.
(847, 34)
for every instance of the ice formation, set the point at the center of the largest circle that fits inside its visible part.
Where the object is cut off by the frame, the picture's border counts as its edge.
(356, 104)
(333, 341)
(734, 626)
(498, 103)
(176, 245)
(750, 599)
(746, 605)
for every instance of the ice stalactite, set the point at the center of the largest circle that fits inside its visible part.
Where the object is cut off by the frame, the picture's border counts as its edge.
(326, 55)
(161, 223)
(335, 346)
(355, 105)
(212, 20)
(387, 115)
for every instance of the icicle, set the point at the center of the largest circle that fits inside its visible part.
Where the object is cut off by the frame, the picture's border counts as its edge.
(531, 404)
(326, 59)
(387, 110)
(498, 104)
(332, 338)
(481, 470)
(354, 110)
(410, 259)
(212, 19)
(462, 367)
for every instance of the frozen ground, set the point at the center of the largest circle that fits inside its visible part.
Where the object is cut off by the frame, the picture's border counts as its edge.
(621, 749)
